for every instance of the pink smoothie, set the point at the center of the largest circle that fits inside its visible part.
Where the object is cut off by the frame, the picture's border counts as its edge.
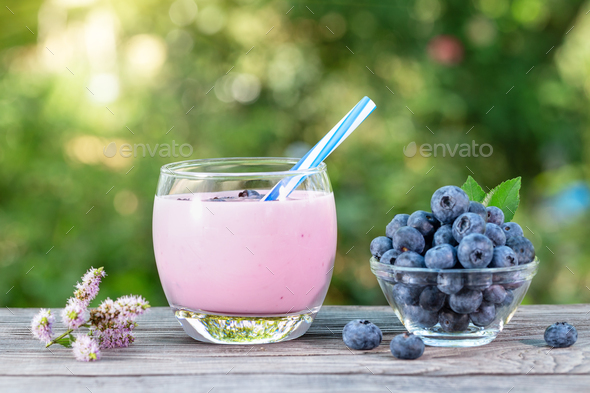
(245, 257)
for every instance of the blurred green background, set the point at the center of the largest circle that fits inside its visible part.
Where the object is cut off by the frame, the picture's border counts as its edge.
(77, 75)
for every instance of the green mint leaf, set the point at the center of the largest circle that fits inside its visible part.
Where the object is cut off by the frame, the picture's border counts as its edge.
(473, 190)
(505, 196)
(66, 342)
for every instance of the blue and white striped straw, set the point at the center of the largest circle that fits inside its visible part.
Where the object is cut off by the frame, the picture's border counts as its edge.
(323, 148)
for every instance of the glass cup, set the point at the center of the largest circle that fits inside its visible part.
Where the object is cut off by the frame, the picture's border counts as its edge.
(235, 269)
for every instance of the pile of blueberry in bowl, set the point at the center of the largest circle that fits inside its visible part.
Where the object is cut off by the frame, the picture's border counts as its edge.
(454, 276)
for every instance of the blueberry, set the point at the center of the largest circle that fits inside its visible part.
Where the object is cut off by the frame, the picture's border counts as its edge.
(380, 245)
(427, 245)
(512, 229)
(523, 248)
(494, 294)
(444, 235)
(466, 224)
(484, 315)
(495, 215)
(516, 282)
(496, 234)
(448, 203)
(361, 334)
(221, 199)
(440, 257)
(413, 278)
(406, 294)
(410, 259)
(503, 256)
(478, 281)
(431, 299)
(465, 301)
(449, 283)
(408, 239)
(475, 251)
(503, 277)
(479, 209)
(419, 317)
(450, 321)
(389, 256)
(400, 220)
(457, 263)
(507, 302)
(561, 335)
(250, 194)
(407, 346)
(424, 222)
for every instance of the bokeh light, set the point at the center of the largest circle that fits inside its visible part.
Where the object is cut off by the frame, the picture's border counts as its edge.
(183, 12)
(251, 78)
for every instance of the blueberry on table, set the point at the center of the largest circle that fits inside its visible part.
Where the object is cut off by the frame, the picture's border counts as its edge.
(496, 234)
(408, 239)
(451, 321)
(432, 299)
(406, 294)
(495, 215)
(465, 301)
(441, 257)
(424, 222)
(512, 229)
(449, 283)
(418, 316)
(399, 220)
(561, 335)
(444, 235)
(380, 245)
(389, 256)
(484, 315)
(361, 334)
(407, 346)
(479, 209)
(448, 203)
(467, 224)
(494, 294)
(475, 251)
(410, 259)
(504, 256)
(523, 248)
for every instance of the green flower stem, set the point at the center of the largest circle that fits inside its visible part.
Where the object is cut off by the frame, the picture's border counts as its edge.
(55, 340)
(68, 332)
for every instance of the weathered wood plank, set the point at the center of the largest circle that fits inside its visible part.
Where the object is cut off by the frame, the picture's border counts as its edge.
(299, 383)
(163, 356)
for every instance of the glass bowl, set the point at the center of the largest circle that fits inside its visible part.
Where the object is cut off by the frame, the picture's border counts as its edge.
(404, 288)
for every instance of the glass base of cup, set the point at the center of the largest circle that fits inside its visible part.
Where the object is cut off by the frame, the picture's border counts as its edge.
(243, 330)
(473, 337)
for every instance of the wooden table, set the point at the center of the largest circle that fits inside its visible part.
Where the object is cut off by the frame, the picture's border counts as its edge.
(163, 358)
